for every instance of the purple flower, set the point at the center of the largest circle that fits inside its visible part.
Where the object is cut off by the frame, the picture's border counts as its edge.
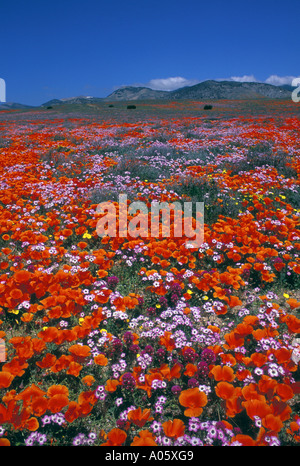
(128, 381)
(128, 338)
(189, 355)
(192, 383)
(208, 356)
(176, 389)
(203, 370)
(112, 281)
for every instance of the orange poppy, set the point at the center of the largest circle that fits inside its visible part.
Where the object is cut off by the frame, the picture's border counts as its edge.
(29, 394)
(145, 438)
(244, 440)
(170, 373)
(16, 293)
(256, 408)
(49, 334)
(233, 404)
(194, 400)
(190, 369)
(224, 390)
(101, 360)
(73, 411)
(27, 317)
(267, 385)
(57, 402)
(284, 391)
(139, 417)
(88, 380)
(82, 244)
(80, 351)
(22, 276)
(57, 390)
(39, 406)
(259, 359)
(167, 341)
(234, 301)
(293, 303)
(31, 424)
(116, 437)
(16, 366)
(4, 442)
(292, 322)
(74, 368)
(273, 423)
(6, 379)
(228, 359)
(111, 385)
(174, 429)
(225, 373)
(47, 361)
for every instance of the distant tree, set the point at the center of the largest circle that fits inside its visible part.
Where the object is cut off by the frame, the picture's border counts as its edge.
(131, 107)
(111, 105)
(49, 108)
(208, 107)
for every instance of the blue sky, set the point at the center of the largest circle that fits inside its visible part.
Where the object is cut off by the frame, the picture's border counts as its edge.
(59, 49)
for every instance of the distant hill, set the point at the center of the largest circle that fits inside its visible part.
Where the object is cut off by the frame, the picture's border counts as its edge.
(14, 106)
(136, 93)
(71, 101)
(208, 90)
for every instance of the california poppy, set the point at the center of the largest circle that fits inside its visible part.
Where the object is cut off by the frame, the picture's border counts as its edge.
(111, 385)
(116, 437)
(101, 360)
(224, 390)
(57, 402)
(88, 380)
(174, 429)
(273, 423)
(167, 341)
(80, 351)
(144, 439)
(139, 417)
(194, 400)
(6, 379)
(225, 373)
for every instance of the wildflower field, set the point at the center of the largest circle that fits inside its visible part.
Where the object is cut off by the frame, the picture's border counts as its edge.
(143, 341)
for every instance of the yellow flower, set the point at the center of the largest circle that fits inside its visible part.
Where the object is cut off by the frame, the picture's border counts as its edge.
(205, 298)
(45, 328)
(14, 311)
(286, 295)
(87, 235)
(81, 320)
(158, 306)
(189, 291)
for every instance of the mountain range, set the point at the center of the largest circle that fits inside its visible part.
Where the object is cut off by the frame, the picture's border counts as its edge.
(206, 90)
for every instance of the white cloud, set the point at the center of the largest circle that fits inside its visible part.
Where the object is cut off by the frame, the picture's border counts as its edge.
(244, 79)
(170, 84)
(279, 80)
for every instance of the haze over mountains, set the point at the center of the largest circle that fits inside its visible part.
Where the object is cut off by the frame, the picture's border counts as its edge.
(206, 90)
